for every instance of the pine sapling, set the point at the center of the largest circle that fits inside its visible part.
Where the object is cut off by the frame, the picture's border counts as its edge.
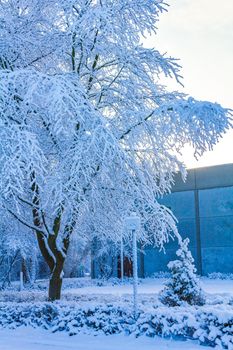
(183, 286)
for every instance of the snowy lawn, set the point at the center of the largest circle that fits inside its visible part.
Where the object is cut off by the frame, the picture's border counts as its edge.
(217, 291)
(153, 285)
(85, 290)
(35, 339)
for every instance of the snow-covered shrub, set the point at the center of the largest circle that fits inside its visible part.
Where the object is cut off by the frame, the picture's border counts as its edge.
(210, 325)
(220, 276)
(183, 286)
(160, 274)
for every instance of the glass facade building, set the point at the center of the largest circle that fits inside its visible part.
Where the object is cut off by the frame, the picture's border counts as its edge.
(203, 206)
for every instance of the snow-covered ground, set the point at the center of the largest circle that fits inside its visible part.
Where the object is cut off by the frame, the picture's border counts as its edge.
(86, 290)
(35, 339)
(153, 285)
(218, 291)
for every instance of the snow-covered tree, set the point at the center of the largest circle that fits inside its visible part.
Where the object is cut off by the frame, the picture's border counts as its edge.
(18, 250)
(184, 285)
(88, 133)
(78, 257)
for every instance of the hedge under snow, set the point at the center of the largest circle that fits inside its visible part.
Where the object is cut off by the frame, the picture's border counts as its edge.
(210, 326)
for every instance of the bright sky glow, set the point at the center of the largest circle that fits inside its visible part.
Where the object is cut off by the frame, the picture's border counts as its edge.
(200, 33)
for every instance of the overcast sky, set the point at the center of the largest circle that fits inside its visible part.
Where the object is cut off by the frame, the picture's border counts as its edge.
(200, 33)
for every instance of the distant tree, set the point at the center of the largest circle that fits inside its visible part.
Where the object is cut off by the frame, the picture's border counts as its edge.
(184, 284)
(18, 251)
(88, 133)
(77, 260)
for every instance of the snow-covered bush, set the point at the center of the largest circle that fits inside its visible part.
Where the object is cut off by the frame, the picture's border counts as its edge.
(160, 274)
(183, 286)
(220, 276)
(210, 325)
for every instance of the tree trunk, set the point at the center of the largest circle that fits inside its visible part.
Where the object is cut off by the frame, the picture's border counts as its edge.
(26, 274)
(55, 285)
(53, 256)
(55, 282)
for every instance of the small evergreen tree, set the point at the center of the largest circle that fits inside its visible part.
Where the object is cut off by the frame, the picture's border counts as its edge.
(184, 284)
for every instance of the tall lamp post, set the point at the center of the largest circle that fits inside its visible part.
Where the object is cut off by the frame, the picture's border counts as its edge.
(122, 259)
(133, 223)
